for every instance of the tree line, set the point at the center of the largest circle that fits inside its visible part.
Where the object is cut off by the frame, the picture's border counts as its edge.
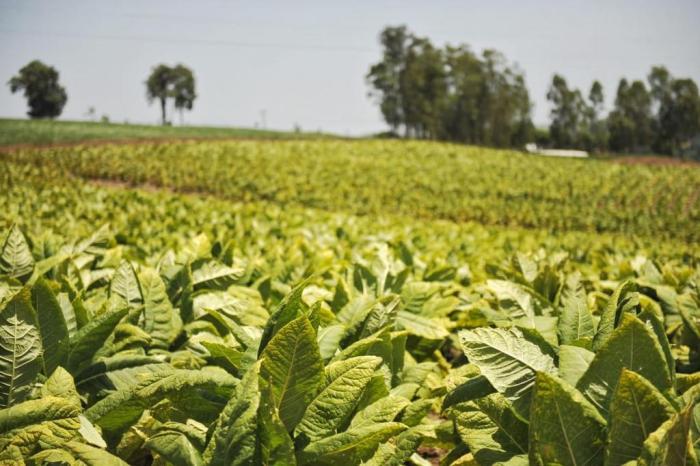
(46, 97)
(454, 94)
(662, 115)
(449, 94)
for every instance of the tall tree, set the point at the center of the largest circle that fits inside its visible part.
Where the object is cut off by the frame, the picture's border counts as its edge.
(385, 76)
(45, 96)
(598, 131)
(659, 80)
(682, 122)
(465, 80)
(569, 114)
(596, 98)
(159, 86)
(183, 88)
(175, 83)
(677, 106)
(423, 89)
(504, 118)
(630, 123)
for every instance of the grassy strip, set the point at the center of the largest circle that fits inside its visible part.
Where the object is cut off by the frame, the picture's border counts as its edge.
(42, 132)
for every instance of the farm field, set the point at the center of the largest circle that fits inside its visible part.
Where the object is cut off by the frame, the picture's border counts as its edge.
(346, 302)
(416, 179)
(43, 132)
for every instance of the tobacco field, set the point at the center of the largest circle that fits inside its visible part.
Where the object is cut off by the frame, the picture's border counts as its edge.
(346, 302)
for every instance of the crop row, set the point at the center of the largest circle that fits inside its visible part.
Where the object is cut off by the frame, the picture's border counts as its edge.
(417, 179)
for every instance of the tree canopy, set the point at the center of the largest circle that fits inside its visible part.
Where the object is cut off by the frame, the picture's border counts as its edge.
(45, 96)
(455, 94)
(450, 93)
(176, 83)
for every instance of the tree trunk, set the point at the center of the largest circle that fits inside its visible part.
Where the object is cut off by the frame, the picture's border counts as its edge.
(162, 111)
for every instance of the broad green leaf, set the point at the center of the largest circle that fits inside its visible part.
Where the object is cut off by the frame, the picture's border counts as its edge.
(345, 382)
(688, 310)
(90, 434)
(356, 310)
(8, 290)
(513, 299)
(415, 413)
(564, 427)
(159, 319)
(349, 447)
(527, 266)
(398, 355)
(119, 372)
(198, 393)
(378, 388)
(291, 307)
(508, 361)
(197, 248)
(546, 327)
(624, 299)
(50, 456)
(82, 454)
(82, 315)
(329, 340)
(632, 345)
(20, 349)
(224, 356)
(16, 259)
(491, 429)
(695, 429)
(24, 423)
(475, 387)
(378, 344)
(548, 344)
(233, 440)
(68, 312)
(671, 444)
(233, 304)
(657, 325)
(357, 314)
(276, 446)
(175, 447)
(636, 411)
(383, 410)
(417, 373)
(399, 448)
(575, 319)
(61, 384)
(124, 287)
(573, 362)
(90, 339)
(418, 325)
(126, 337)
(52, 325)
(180, 290)
(416, 294)
(685, 382)
(381, 316)
(215, 275)
(292, 364)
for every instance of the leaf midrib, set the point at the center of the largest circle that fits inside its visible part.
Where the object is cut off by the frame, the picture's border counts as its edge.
(566, 436)
(288, 375)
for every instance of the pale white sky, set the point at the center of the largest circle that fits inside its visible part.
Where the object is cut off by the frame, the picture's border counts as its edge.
(305, 62)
